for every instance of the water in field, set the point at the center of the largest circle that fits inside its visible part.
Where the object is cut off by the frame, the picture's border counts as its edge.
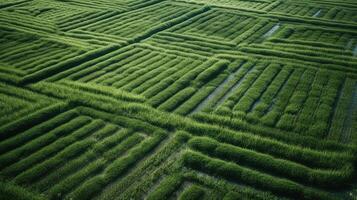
(235, 87)
(317, 13)
(216, 91)
(272, 30)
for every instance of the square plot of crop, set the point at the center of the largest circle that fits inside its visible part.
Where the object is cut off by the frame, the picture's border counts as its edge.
(321, 11)
(221, 25)
(234, 4)
(343, 39)
(136, 22)
(190, 44)
(70, 148)
(64, 14)
(17, 102)
(29, 53)
(54, 11)
(285, 96)
(326, 48)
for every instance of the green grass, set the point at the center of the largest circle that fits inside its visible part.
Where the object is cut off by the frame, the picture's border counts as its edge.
(178, 99)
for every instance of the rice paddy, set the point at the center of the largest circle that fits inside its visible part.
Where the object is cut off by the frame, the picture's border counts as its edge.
(178, 99)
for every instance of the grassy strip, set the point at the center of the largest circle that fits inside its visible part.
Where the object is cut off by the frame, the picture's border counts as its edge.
(108, 91)
(252, 31)
(166, 187)
(47, 72)
(341, 109)
(226, 189)
(36, 131)
(181, 83)
(64, 92)
(10, 191)
(9, 78)
(144, 178)
(271, 93)
(199, 99)
(298, 154)
(42, 169)
(307, 156)
(320, 178)
(309, 48)
(148, 33)
(11, 71)
(135, 124)
(46, 139)
(166, 68)
(349, 65)
(304, 141)
(177, 99)
(52, 149)
(96, 64)
(31, 120)
(108, 132)
(71, 182)
(235, 172)
(192, 193)
(151, 88)
(210, 73)
(229, 86)
(313, 22)
(277, 39)
(227, 103)
(333, 56)
(254, 93)
(134, 72)
(97, 159)
(116, 168)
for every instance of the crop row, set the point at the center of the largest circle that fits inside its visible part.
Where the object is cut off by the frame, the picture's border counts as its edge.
(284, 97)
(58, 154)
(317, 11)
(328, 36)
(16, 101)
(156, 76)
(133, 23)
(87, 150)
(189, 43)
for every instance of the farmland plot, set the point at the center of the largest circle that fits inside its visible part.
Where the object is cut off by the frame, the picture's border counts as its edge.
(178, 99)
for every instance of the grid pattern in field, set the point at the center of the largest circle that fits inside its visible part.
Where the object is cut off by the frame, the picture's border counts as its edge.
(111, 148)
(133, 23)
(178, 99)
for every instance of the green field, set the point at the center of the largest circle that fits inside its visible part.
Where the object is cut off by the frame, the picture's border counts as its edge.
(178, 99)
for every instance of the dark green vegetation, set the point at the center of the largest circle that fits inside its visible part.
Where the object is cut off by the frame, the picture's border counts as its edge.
(178, 99)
